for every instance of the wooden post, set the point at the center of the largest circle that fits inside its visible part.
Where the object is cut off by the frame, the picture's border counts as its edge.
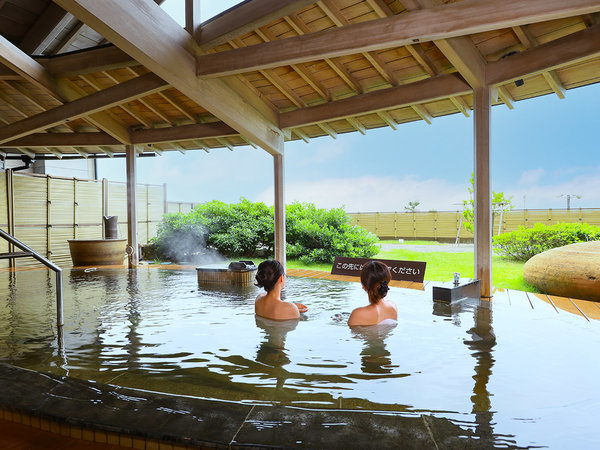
(104, 205)
(75, 212)
(132, 240)
(192, 15)
(48, 218)
(279, 175)
(483, 197)
(10, 203)
(165, 204)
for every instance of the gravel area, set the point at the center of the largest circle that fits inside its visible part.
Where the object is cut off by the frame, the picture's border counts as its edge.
(449, 248)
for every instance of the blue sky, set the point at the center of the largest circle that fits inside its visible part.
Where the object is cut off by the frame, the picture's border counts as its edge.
(544, 148)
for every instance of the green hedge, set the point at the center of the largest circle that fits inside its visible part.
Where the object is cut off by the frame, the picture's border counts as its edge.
(247, 229)
(524, 243)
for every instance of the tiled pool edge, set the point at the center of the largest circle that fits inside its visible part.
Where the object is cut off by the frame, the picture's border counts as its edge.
(132, 418)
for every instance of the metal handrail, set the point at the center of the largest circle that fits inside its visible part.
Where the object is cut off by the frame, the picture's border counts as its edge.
(47, 263)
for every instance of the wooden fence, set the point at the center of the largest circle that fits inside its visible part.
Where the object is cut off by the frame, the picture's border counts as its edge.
(44, 211)
(445, 225)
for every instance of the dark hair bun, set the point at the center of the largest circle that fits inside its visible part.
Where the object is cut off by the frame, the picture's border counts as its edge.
(268, 273)
(383, 288)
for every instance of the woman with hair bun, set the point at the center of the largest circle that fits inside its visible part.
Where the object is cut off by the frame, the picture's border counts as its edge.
(271, 276)
(374, 278)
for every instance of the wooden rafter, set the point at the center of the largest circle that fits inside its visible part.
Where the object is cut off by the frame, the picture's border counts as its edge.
(244, 18)
(83, 106)
(33, 72)
(333, 12)
(542, 58)
(430, 89)
(95, 85)
(154, 39)
(45, 29)
(441, 22)
(272, 76)
(66, 42)
(301, 28)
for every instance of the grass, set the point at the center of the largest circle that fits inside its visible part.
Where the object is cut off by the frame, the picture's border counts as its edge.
(411, 242)
(506, 273)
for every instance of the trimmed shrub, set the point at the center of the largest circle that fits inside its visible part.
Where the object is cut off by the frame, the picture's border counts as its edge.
(319, 235)
(246, 229)
(524, 243)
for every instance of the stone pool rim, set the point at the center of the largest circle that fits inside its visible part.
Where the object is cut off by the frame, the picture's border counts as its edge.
(192, 421)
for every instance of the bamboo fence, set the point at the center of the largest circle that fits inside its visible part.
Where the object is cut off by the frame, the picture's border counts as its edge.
(45, 211)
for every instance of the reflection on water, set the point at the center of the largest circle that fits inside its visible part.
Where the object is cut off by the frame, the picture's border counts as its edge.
(162, 331)
(375, 357)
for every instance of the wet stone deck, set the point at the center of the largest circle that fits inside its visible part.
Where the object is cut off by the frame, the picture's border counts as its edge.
(78, 408)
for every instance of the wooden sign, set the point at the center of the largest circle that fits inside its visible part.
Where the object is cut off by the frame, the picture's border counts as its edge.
(401, 270)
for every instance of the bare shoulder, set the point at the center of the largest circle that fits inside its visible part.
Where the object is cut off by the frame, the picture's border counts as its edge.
(291, 309)
(359, 316)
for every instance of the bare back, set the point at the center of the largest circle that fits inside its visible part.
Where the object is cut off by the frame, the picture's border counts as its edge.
(273, 308)
(373, 314)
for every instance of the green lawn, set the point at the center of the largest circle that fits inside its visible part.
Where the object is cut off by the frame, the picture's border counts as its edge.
(441, 265)
(411, 242)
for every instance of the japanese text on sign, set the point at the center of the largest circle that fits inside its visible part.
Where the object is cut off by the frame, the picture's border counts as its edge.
(400, 270)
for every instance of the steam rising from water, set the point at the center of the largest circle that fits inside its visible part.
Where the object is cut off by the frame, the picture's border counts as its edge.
(189, 247)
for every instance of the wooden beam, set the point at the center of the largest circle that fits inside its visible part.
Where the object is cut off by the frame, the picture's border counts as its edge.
(154, 39)
(83, 106)
(45, 29)
(183, 133)
(551, 55)
(15, 59)
(243, 18)
(91, 60)
(71, 37)
(430, 89)
(102, 120)
(441, 22)
(91, 139)
(465, 57)
(461, 52)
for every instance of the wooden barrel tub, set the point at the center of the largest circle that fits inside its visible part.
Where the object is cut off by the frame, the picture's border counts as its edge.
(97, 252)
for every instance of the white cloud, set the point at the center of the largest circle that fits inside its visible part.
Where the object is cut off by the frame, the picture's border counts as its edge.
(370, 193)
(542, 196)
(530, 177)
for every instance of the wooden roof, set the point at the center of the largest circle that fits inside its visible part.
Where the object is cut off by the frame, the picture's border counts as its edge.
(83, 76)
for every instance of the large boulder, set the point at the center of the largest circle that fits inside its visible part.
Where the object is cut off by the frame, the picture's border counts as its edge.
(570, 271)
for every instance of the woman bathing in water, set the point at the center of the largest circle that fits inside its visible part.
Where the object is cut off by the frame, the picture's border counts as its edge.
(270, 275)
(375, 277)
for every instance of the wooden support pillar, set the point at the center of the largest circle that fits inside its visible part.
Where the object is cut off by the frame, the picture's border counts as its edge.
(482, 184)
(279, 173)
(132, 241)
(192, 15)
